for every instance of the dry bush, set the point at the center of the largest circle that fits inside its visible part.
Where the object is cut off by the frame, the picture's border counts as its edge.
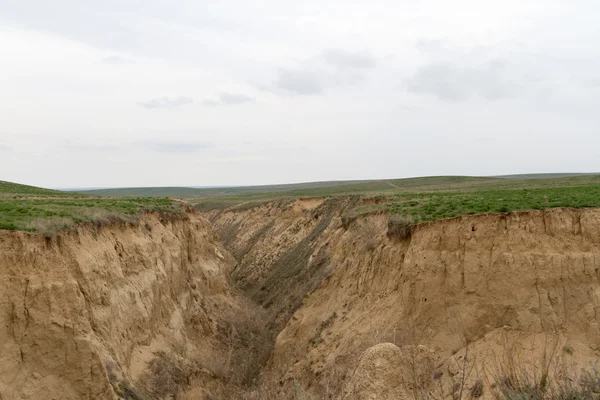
(127, 392)
(100, 217)
(245, 346)
(549, 378)
(347, 220)
(49, 226)
(103, 217)
(477, 389)
(273, 391)
(121, 386)
(317, 339)
(366, 234)
(461, 386)
(167, 375)
(369, 233)
(399, 227)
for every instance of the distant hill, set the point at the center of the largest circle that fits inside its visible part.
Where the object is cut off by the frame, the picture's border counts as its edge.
(10, 188)
(200, 192)
(295, 189)
(328, 188)
(545, 176)
(325, 188)
(31, 208)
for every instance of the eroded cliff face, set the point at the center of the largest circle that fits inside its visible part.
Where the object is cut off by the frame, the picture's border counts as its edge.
(117, 311)
(287, 300)
(472, 286)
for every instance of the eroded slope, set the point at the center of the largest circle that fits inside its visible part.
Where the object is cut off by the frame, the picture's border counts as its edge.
(132, 311)
(296, 304)
(483, 282)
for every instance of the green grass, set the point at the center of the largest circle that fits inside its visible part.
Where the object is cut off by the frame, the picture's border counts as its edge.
(433, 206)
(433, 198)
(188, 192)
(422, 199)
(332, 188)
(48, 215)
(12, 189)
(28, 208)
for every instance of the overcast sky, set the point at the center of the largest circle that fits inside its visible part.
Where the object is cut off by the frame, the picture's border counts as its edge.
(185, 92)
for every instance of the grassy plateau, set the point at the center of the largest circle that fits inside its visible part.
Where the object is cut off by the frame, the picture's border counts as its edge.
(32, 209)
(433, 198)
(419, 199)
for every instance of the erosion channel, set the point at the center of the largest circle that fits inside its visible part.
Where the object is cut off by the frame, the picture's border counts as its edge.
(289, 300)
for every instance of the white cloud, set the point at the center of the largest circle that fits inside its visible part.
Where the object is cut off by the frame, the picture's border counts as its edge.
(329, 69)
(348, 90)
(229, 99)
(169, 146)
(115, 60)
(166, 102)
(492, 81)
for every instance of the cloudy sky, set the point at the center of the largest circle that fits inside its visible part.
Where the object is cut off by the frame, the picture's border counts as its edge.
(183, 92)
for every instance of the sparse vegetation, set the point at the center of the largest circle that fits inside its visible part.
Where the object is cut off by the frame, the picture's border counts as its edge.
(569, 349)
(16, 189)
(347, 219)
(48, 215)
(543, 385)
(399, 227)
(366, 233)
(477, 389)
(433, 198)
(317, 338)
(420, 199)
(243, 194)
(434, 206)
(167, 376)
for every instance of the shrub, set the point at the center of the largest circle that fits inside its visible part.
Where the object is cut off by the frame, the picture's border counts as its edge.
(167, 376)
(48, 227)
(551, 379)
(477, 389)
(347, 219)
(399, 227)
(568, 349)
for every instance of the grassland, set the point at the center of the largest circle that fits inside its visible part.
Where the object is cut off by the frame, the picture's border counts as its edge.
(33, 209)
(433, 206)
(320, 189)
(14, 189)
(432, 198)
(422, 199)
(189, 192)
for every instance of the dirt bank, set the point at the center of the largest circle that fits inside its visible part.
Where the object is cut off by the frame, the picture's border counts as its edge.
(130, 311)
(284, 301)
(483, 283)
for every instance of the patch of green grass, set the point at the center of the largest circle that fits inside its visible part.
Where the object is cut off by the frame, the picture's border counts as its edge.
(16, 189)
(434, 206)
(335, 188)
(421, 199)
(410, 192)
(429, 199)
(49, 214)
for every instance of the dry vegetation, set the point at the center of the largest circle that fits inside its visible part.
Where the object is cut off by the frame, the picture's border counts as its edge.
(512, 376)
(168, 375)
(550, 378)
(48, 215)
(399, 227)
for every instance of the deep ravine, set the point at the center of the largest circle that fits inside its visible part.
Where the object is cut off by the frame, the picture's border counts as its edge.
(283, 299)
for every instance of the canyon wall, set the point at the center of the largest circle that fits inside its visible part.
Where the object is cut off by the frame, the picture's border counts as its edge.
(483, 284)
(291, 299)
(117, 311)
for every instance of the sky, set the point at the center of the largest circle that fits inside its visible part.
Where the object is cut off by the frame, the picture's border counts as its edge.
(119, 93)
